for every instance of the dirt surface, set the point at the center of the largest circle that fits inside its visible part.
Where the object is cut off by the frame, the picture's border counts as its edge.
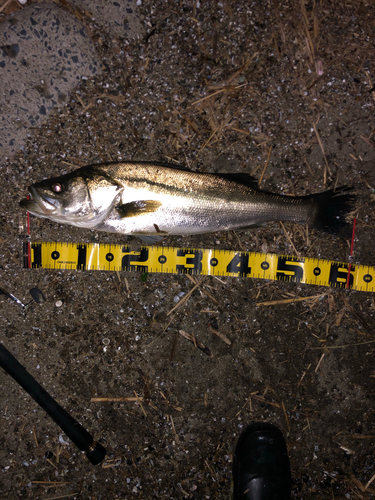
(216, 86)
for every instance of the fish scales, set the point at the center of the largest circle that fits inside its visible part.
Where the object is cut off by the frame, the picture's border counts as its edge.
(197, 202)
(146, 198)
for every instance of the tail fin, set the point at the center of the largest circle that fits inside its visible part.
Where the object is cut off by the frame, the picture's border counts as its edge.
(331, 210)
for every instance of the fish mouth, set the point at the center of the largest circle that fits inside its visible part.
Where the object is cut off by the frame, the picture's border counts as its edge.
(39, 204)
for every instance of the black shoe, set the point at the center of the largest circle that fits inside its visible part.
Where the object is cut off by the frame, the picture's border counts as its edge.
(261, 469)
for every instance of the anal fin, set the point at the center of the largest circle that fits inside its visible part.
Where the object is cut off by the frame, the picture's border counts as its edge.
(150, 240)
(250, 226)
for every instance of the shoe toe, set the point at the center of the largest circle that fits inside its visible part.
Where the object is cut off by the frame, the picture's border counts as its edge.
(261, 469)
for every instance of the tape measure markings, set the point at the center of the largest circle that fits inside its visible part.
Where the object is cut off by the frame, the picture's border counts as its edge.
(172, 260)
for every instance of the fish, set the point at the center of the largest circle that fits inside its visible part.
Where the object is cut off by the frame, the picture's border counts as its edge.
(152, 200)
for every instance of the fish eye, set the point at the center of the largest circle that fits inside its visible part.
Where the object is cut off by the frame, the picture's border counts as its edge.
(57, 188)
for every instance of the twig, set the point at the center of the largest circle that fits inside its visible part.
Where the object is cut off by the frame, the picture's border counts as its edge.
(238, 72)
(360, 436)
(50, 462)
(309, 43)
(369, 482)
(50, 483)
(359, 317)
(303, 375)
(202, 289)
(341, 120)
(320, 360)
(307, 163)
(240, 130)
(174, 430)
(265, 166)
(324, 155)
(71, 164)
(36, 439)
(286, 416)
(114, 98)
(278, 20)
(227, 88)
(367, 141)
(371, 85)
(80, 100)
(290, 240)
(196, 342)
(64, 496)
(342, 346)
(3, 7)
(140, 402)
(131, 398)
(260, 398)
(220, 127)
(187, 296)
(220, 335)
(289, 301)
(191, 123)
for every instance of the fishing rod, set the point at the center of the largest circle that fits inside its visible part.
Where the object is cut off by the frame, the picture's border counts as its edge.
(94, 451)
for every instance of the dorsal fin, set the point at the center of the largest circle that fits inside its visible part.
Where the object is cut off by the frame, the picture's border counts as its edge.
(173, 166)
(242, 178)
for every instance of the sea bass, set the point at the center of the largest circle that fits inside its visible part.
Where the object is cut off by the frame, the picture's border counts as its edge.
(149, 199)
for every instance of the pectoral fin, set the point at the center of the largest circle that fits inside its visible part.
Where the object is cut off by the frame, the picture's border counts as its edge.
(135, 208)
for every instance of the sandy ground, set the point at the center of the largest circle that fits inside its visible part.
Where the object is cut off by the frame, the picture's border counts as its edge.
(218, 87)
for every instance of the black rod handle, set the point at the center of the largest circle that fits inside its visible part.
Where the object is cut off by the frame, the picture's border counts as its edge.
(81, 438)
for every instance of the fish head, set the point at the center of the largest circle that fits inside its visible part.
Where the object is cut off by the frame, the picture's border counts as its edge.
(81, 198)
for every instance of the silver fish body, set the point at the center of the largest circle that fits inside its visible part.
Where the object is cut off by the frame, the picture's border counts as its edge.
(144, 198)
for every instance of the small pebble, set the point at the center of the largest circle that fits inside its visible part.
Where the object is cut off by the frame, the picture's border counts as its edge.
(58, 303)
(63, 439)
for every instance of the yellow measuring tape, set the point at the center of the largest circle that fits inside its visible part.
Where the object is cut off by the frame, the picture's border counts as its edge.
(107, 257)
